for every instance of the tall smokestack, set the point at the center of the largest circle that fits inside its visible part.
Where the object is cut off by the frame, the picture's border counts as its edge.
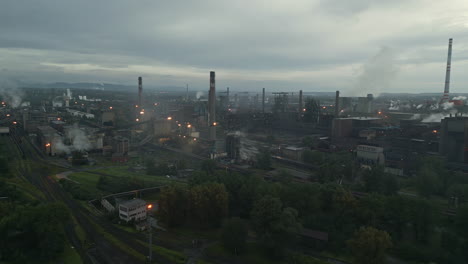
(337, 104)
(140, 90)
(300, 102)
(212, 106)
(445, 98)
(263, 100)
(227, 97)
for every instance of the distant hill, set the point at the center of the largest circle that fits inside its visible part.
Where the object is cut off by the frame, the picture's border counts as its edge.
(102, 86)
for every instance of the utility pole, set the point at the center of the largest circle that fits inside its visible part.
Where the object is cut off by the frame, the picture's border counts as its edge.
(150, 235)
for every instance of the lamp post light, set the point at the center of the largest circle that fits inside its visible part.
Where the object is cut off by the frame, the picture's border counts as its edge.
(149, 208)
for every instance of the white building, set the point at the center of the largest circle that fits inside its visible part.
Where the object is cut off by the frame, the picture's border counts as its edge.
(132, 210)
(370, 155)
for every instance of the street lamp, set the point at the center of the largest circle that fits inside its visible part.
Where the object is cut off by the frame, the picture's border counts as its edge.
(149, 207)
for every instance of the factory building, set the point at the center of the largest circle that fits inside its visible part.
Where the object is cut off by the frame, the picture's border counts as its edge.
(370, 155)
(132, 210)
(46, 138)
(454, 139)
(107, 118)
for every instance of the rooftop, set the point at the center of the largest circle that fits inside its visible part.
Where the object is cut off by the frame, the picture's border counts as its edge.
(133, 203)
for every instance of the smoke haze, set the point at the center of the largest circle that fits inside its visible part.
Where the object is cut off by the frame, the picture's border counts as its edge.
(376, 76)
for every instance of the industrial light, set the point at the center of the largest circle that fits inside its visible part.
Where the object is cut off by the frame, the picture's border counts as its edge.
(110, 107)
(304, 109)
(142, 113)
(58, 118)
(136, 106)
(380, 112)
(189, 125)
(194, 139)
(8, 115)
(214, 123)
(169, 118)
(149, 206)
(324, 107)
(47, 145)
(14, 123)
(434, 131)
(137, 119)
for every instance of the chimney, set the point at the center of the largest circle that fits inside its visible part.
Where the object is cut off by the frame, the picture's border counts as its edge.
(300, 102)
(140, 91)
(227, 97)
(337, 104)
(445, 98)
(263, 101)
(212, 107)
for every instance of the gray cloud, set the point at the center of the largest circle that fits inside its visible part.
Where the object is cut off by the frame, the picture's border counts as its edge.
(310, 45)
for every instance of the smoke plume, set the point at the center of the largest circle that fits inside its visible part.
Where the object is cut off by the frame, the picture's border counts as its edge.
(433, 118)
(78, 138)
(447, 105)
(61, 147)
(461, 97)
(377, 74)
(10, 93)
(199, 94)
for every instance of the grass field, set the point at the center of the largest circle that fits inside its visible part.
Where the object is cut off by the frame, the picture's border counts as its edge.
(69, 255)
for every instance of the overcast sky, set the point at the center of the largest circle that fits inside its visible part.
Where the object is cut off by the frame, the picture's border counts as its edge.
(315, 45)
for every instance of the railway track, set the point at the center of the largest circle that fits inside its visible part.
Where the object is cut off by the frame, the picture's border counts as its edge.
(103, 250)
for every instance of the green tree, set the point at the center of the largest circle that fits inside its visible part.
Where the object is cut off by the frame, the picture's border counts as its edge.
(173, 202)
(234, 235)
(5, 171)
(427, 182)
(208, 204)
(33, 234)
(276, 227)
(398, 211)
(423, 219)
(369, 246)
(462, 220)
(264, 159)
(371, 210)
(208, 166)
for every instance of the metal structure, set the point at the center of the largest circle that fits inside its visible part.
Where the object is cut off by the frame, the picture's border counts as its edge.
(300, 102)
(212, 107)
(140, 90)
(337, 104)
(445, 98)
(263, 101)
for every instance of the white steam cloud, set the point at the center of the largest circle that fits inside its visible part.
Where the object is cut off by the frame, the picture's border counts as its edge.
(461, 97)
(434, 118)
(394, 105)
(377, 74)
(447, 105)
(199, 94)
(10, 93)
(78, 139)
